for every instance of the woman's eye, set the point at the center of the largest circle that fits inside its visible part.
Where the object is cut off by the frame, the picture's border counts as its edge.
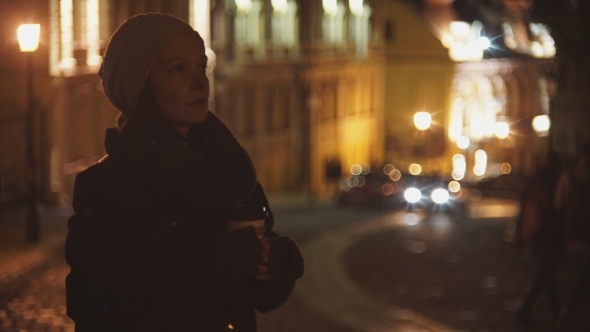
(178, 68)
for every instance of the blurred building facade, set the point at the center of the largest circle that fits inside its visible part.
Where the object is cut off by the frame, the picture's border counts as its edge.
(298, 82)
(483, 73)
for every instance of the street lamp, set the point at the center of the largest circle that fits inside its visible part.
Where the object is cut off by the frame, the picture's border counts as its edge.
(422, 120)
(28, 40)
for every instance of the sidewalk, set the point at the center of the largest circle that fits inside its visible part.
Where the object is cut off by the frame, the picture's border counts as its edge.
(20, 260)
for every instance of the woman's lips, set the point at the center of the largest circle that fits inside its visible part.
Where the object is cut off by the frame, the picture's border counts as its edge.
(198, 102)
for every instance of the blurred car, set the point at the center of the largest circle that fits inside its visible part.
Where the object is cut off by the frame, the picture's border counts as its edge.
(510, 185)
(403, 190)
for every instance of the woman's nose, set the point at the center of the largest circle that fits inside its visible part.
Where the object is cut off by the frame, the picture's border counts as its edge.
(200, 81)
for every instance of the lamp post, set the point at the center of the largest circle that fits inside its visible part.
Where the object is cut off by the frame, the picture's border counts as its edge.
(28, 39)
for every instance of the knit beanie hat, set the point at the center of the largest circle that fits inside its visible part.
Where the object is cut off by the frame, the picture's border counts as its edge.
(132, 51)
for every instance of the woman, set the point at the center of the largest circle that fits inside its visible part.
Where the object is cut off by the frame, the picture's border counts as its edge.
(148, 245)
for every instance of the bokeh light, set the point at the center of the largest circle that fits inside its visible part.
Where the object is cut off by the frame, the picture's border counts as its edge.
(387, 189)
(457, 175)
(479, 170)
(422, 120)
(396, 175)
(541, 123)
(415, 169)
(365, 169)
(463, 142)
(454, 186)
(412, 195)
(505, 168)
(356, 169)
(388, 169)
(501, 130)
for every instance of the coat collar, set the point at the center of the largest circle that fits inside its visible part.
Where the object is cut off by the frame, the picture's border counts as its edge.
(208, 169)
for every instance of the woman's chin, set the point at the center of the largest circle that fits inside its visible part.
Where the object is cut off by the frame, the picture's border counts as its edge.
(201, 117)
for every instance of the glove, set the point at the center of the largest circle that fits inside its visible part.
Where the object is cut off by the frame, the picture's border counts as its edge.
(285, 262)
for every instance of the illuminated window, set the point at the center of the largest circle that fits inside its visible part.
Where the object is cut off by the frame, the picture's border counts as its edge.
(333, 22)
(76, 25)
(248, 23)
(199, 18)
(67, 34)
(284, 23)
(479, 103)
(359, 26)
(92, 34)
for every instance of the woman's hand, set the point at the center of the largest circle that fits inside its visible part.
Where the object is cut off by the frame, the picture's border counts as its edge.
(263, 268)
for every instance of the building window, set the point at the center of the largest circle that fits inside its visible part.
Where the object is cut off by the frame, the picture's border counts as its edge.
(77, 25)
(248, 23)
(284, 23)
(359, 26)
(333, 22)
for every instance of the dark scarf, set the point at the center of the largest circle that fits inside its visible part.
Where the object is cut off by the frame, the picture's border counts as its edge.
(207, 170)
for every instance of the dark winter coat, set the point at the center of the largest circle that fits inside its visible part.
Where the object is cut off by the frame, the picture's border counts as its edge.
(148, 246)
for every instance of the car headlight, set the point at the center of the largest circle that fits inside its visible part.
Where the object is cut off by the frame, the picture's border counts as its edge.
(440, 196)
(412, 195)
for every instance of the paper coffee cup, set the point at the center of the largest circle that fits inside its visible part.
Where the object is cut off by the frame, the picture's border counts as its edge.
(234, 225)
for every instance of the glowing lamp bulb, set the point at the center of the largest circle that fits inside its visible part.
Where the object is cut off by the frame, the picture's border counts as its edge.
(28, 37)
(422, 120)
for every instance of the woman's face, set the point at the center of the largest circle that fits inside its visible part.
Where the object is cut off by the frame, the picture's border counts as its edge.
(179, 82)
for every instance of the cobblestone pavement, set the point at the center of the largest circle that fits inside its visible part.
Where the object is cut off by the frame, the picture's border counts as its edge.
(41, 307)
(41, 304)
